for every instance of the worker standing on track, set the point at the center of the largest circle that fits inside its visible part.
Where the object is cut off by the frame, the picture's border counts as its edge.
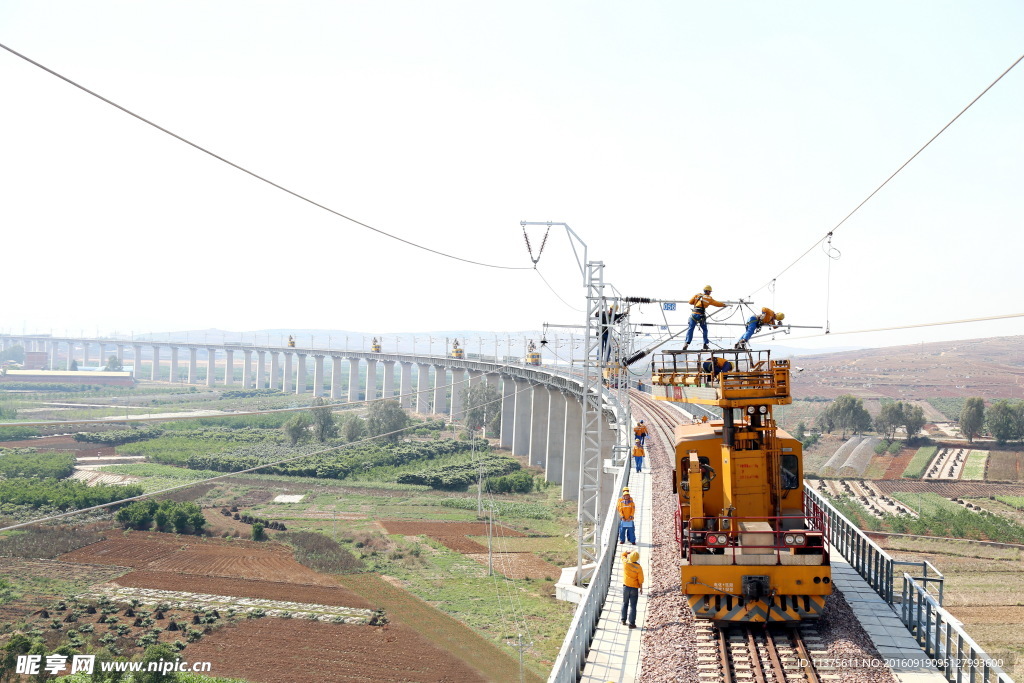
(754, 324)
(632, 587)
(698, 316)
(638, 455)
(627, 511)
(640, 432)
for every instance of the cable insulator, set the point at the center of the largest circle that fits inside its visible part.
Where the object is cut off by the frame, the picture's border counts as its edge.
(638, 300)
(634, 358)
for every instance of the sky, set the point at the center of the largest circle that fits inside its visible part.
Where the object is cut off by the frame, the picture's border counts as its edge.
(683, 143)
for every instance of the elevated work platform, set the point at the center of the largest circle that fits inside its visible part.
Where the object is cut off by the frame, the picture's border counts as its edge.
(726, 378)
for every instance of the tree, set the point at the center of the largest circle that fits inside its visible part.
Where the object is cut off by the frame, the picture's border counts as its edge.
(483, 403)
(258, 534)
(297, 428)
(324, 426)
(1004, 421)
(114, 365)
(847, 413)
(913, 420)
(15, 353)
(386, 418)
(972, 418)
(889, 418)
(354, 428)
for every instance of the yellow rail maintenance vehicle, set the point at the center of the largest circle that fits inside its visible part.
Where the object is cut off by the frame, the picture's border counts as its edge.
(457, 351)
(752, 548)
(374, 345)
(291, 342)
(532, 354)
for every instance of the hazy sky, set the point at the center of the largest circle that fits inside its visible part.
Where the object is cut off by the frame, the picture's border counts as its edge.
(686, 143)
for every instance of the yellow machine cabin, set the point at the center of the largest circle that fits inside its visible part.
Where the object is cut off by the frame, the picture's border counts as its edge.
(457, 351)
(532, 354)
(375, 345)
(750, 549)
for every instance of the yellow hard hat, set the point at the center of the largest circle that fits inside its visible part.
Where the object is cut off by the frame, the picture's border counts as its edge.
(707, 288)
(634, 556)
(625, 489)
(780, 316)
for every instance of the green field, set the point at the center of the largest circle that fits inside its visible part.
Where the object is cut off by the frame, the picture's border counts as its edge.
(974, 468)
(920, 461)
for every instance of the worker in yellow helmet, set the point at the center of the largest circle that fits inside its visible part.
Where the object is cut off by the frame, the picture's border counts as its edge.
(632, 587)
(698, 316)
(756, 322)
(627, 512)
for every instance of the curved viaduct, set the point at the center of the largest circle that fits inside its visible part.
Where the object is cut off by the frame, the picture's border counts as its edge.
(541, 407)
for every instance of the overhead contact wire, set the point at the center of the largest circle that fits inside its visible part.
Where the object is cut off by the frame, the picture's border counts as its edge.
(877, 189)
(252, 173)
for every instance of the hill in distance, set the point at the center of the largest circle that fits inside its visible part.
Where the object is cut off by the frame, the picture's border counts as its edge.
(992, 368)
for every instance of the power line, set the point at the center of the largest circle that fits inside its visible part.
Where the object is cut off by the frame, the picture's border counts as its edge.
(252, 173)
(909, 327)
(828, 235)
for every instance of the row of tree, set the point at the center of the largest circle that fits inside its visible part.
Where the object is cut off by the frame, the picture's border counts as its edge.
(182, 518)
(1004, 420)
(848, 414)
(385, 419)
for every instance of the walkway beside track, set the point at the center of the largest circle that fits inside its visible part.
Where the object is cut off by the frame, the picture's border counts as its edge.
(902, 655)
(615, 653)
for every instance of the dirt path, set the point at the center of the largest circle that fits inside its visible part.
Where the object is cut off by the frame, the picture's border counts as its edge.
(442, 630)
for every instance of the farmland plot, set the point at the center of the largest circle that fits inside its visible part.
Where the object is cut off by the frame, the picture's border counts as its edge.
(1005, 466)
(974, 469)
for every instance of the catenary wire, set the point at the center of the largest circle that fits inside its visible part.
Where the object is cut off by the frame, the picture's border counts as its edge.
(557, 294)
(877, 189)
(906, 327)
(252, 173)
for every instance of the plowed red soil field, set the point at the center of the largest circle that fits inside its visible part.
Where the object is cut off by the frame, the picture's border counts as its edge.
(212, 557)
(297, 650)
(899, 463)
(244, 588)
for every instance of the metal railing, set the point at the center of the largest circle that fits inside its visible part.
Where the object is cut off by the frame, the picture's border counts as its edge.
(573, 654)
(943, 639)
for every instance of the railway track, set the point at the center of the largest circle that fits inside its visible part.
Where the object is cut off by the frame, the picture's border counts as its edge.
(756, 654)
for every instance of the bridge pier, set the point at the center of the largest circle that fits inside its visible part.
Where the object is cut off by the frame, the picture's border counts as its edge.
(389, 379)
(556, 436)
(286, 375)
(193, 366)
(353, 380)
(541, 399)
(174, 364)
(371, 380)
(440, 405)
(261, 369)
(275, 370)
(336, 377)
(229, 367)
(211, 366)
(405, 386)
(423, 389)
(137, 359)
(508, 411)
(300, 373)
(523, 418)
(573, 449)
(459, 387)
(247, 368)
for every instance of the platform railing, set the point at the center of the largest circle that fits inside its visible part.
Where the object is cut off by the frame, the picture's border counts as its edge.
(573, 654)
(944, 640)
